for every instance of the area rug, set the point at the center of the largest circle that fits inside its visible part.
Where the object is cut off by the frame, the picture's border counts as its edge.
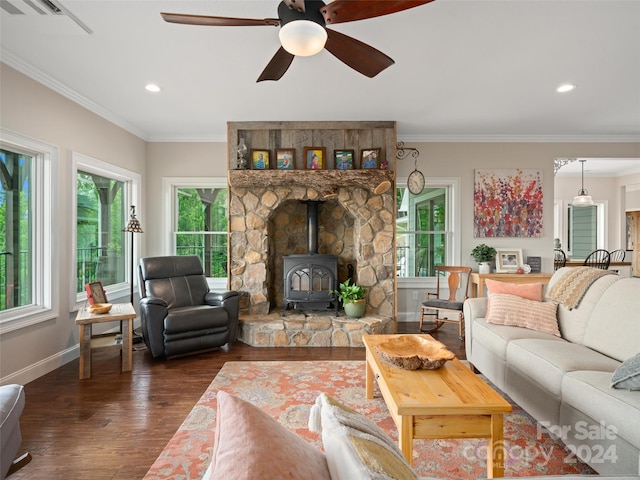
(287, 390)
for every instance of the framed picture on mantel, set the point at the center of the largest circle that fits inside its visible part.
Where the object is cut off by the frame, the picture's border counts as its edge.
(285, 159)
(315, 158)
(259, 159)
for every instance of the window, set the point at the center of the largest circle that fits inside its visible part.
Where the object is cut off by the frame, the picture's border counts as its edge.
(103, 196)
(197, 215)
(27, 293)
(585, 230)
(426, 227)
(202, 227)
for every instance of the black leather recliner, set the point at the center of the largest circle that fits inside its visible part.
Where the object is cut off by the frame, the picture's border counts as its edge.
(179, 314)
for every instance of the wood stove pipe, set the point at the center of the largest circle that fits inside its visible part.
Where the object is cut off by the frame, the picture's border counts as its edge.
(312, 226)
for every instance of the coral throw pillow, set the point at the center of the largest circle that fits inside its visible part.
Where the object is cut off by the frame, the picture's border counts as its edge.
(250, 444)
(530, 291)
(521, 312)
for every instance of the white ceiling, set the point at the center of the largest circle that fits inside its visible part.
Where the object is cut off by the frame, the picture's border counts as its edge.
(465, 69)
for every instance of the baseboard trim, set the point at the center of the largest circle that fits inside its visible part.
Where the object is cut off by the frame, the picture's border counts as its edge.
(38, 369)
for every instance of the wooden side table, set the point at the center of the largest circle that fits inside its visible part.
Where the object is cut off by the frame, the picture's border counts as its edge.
(123, 312)
(477, 280)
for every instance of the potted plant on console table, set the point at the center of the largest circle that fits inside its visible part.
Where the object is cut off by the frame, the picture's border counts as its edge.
(483, 254)
(352, 298)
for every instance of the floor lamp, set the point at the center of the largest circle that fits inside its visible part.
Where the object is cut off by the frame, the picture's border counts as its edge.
(132, 227)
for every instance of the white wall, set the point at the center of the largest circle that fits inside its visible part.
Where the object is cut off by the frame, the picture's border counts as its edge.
(28, 108)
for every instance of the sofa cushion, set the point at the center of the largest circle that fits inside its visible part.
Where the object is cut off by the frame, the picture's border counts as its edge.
(197, 317)
(573, 322)
(627, 375)
(250, 444)
(590, 393)
(521, 312)
(355, 446)
(546, 364)
(497, 337)
(613, 328)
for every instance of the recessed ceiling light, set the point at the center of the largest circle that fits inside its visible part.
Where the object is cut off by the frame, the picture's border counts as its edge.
(567, 87)
(152, 87)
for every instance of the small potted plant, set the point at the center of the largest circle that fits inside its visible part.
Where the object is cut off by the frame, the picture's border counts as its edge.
(352, 298)
(483, 254)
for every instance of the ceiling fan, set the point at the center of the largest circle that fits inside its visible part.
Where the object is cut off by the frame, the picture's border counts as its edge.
(303, 31)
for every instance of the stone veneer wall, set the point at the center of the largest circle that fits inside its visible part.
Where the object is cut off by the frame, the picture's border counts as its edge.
(366, 196)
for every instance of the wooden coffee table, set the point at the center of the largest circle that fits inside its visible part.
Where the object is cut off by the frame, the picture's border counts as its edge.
(450, 402)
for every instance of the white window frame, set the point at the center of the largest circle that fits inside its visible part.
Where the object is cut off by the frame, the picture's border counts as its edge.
(132, 182)
(602, 232)
(170, 211)
(453, 222)
(45, 240)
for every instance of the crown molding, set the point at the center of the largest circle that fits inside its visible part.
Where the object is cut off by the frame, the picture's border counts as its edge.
(32, 72)
(519, 138)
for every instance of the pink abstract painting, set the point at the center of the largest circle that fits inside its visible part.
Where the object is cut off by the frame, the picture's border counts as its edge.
(508, 203)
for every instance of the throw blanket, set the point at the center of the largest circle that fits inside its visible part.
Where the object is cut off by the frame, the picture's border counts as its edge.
(570, 289)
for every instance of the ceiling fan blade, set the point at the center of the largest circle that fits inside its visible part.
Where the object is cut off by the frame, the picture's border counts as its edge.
(295, 5)
(340, 11)
(277, 67)
(218, 21)
(356, 54)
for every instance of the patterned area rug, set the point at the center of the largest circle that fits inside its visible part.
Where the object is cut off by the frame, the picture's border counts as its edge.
(287, 390)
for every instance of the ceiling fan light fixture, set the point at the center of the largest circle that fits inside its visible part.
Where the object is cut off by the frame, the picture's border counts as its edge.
(303, 37)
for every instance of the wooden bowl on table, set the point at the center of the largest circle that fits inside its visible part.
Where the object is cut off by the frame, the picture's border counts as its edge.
(99, 308)
(413, 352)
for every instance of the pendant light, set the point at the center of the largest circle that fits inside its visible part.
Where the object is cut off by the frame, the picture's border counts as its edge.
(583, 199)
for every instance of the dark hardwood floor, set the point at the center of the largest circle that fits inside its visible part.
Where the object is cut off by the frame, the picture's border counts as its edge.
(114, 425)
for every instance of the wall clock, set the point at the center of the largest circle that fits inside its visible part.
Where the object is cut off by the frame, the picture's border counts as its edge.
(415, 182)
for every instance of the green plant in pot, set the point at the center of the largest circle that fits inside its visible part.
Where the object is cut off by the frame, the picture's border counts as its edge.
(352, 298)
(483, 254)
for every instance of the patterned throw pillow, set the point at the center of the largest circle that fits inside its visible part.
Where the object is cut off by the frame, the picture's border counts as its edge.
(627, 375)
(520, 312)
(356, 448)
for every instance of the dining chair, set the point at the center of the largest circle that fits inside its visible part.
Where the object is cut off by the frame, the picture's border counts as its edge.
(559, 259)
(598, 259)
(617, 255)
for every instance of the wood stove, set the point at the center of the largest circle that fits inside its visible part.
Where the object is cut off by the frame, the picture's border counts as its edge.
(308, 278)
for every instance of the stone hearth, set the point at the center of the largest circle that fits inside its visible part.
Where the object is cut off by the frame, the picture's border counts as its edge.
(310, 330)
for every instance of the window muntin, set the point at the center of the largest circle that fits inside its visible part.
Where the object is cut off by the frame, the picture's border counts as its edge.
(201, 227)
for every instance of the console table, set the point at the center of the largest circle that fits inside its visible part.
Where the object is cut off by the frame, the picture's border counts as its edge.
(123, 312)
(478, 280)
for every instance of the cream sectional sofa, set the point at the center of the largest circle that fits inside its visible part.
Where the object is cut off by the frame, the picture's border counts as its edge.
(565, 382)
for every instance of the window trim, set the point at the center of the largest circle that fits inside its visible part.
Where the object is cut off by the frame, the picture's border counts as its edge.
(132, 182)
(45, 238)
(453, 219)
(169, 211)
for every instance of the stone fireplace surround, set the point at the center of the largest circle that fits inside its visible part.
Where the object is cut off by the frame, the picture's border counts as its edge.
(268, 220)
